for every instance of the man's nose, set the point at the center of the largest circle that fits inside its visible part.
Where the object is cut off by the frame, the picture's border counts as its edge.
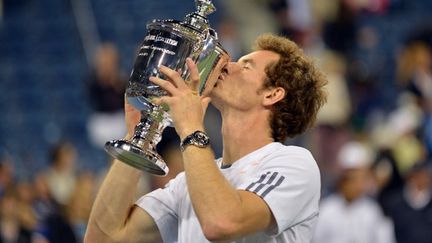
(230, 67)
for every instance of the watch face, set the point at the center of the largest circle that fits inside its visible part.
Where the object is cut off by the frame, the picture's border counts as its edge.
(201, 138)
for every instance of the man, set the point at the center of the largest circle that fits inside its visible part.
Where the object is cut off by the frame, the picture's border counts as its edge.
(259, 191)
(410, 207)
(349, 215)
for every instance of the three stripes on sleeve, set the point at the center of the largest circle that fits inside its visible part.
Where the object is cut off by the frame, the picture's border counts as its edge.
(266, 183)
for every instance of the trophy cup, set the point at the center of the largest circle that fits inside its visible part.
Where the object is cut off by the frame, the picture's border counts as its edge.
(168, 43)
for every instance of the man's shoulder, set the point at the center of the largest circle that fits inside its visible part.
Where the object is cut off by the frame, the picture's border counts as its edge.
(289, 150)
(292, 162)
(293, 149)
(290, 155)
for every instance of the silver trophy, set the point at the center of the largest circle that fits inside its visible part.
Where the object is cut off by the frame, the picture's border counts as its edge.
(168, 43)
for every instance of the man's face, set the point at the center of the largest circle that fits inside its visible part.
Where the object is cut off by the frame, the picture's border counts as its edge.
(240, 82)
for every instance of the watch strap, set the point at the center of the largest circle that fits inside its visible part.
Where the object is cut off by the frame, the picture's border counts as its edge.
(197, 138)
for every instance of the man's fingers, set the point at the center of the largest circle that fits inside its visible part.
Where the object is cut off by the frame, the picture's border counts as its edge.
(177, 81)
(173, 76)
(166, 85)
(193, 74)
(159, 101)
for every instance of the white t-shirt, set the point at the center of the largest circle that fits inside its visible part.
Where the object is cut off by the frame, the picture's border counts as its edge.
(287, 178)
(358, 221)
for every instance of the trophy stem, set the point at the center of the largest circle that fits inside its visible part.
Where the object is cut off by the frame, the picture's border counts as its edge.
(140, 151)
(148, 132)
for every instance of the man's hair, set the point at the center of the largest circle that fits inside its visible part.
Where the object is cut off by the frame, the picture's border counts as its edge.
(303, 84)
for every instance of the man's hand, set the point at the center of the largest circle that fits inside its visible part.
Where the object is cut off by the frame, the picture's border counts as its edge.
(186, 107)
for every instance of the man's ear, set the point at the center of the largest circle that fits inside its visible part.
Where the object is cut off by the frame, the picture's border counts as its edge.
(273, 95)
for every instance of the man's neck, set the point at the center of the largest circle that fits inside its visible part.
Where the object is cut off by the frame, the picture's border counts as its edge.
(243, 133)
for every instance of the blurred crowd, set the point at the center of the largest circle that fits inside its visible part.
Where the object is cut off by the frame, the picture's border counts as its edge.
(375, 158)
(54, 205)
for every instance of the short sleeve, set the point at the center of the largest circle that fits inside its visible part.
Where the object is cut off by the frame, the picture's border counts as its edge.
(289, 182)
(162, 205)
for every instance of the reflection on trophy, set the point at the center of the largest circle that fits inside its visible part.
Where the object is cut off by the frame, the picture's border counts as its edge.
(167, 43)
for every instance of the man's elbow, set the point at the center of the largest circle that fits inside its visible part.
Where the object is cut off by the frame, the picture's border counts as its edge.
(219, 230)
(91, 237)
(96, 238)
(95, 234)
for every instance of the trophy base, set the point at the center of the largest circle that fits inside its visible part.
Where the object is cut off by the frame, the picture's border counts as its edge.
(146, 160)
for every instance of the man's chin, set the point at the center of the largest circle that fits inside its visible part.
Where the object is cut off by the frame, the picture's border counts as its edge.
(215, 97)
(213, 91)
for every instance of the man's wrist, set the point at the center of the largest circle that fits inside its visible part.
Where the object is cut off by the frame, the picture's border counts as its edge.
(198, 138)
(188, 131)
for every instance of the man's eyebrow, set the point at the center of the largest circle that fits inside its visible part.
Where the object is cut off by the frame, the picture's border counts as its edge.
(247, 60)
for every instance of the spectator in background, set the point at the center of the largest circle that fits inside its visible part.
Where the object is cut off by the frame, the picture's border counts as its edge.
(339, 33)
(398, 133)
(11, 227)
(106, 87)
(228, 36)
(415, 76)
(24, 206)
(80, 203)
(248, 28)
(332, 130)
(52, 225)
(411, 207)
(60, 176)
(387, 176)
(414, 72)
(349, 215)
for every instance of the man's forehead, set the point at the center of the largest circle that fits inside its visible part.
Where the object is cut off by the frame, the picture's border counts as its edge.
(261, 56)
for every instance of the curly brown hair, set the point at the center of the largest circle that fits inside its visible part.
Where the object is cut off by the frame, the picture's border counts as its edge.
(303, 84)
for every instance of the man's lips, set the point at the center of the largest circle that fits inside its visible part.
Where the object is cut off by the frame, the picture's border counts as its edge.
(222, 76)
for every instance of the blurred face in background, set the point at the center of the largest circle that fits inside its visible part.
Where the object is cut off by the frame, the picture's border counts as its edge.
(66, 158)
(354, 183)
(107, 63)
(41, 189)
(420, 180)
(8, 206)
(6, 173)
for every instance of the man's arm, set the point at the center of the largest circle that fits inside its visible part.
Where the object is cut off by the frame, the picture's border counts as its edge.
(224, 212)
(114, 217)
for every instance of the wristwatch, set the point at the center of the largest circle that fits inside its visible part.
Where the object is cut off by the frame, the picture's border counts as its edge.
(197, 138)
